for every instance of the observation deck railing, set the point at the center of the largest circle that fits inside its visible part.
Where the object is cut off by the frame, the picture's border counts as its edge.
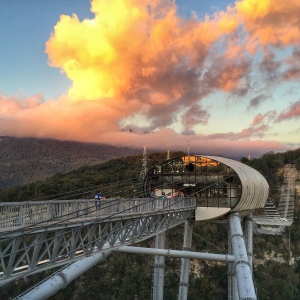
(15, 215)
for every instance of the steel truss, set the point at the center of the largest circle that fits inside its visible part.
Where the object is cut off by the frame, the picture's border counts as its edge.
(36, 251)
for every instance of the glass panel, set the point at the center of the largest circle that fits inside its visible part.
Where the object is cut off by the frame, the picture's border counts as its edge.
(212, 182)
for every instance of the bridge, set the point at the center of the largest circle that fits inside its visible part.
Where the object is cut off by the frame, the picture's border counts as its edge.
(73, 235)
(64, 231)
(275, 220)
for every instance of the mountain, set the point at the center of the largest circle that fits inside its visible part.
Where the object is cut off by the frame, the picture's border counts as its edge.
(26, 160)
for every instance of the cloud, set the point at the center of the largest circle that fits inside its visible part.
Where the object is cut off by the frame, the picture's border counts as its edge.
(270, 22)
(144, 56)
(193, 116)
(256, 101)
(264, 119)
(270, 68)
(199, 144)
(59, 118)
(293, 70)
(127, 48)
(257, 131)
(139, 69)
(98, 126)
(292, 112)
(226, 75)
(11, 105)
(258, 128)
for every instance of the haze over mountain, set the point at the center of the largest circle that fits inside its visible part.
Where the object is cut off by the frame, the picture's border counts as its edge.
(25, 160)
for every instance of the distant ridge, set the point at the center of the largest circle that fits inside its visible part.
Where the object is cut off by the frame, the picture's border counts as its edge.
(26, 160)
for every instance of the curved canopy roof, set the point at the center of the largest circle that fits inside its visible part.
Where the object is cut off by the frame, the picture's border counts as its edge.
(255, 189)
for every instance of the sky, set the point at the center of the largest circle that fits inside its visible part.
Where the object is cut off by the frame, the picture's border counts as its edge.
(215, 77)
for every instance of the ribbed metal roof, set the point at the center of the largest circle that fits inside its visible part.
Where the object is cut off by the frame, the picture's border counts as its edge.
(255, 189)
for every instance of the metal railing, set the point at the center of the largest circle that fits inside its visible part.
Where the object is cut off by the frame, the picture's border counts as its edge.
(19, 214)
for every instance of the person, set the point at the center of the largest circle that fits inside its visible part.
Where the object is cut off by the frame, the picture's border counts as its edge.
(98, 202)
(153, 197)
(136, 203)
(164, 198)
(152, 194)
(180, 194)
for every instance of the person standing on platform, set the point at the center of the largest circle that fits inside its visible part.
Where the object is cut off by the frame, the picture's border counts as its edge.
(98, 203)
(153, 197)
(164, 199)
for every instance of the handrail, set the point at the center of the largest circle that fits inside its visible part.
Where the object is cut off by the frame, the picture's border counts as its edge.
(15, 215)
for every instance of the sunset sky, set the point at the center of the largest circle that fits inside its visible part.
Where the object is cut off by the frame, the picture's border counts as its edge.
(221, 76)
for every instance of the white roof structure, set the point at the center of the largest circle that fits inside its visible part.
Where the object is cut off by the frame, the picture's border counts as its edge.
(221, 185)
(255, 189)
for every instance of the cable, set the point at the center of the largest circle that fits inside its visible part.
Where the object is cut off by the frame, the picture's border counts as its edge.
(89, 189)
(84, 209)
(209, 243)
(109, 195)
(95, 222)
(58, 222)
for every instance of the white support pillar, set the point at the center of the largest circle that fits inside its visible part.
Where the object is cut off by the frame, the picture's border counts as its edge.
(185, 262)
(233, 293)
(62, 278)
(241, 264)
(176, 253)
(159, 268)
(248, 233)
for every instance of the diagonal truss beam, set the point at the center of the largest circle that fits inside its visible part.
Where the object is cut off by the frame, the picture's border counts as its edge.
(34, 252)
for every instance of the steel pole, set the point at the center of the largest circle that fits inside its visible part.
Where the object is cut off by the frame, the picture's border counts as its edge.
(62, 278)
(233, 293)
(177, 253)
(159, 268)
(249, 239)
(241, 264)
(185, 262)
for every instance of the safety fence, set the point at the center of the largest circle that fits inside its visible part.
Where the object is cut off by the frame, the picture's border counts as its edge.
(19, 214)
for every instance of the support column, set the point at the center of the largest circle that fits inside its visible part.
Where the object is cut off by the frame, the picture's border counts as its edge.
(63, 277)
(233, 293)
(185, 262)
(248, 233)
(241, 264)
(159, 268)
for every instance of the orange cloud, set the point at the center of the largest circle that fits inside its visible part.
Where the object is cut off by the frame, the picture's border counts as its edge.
(270, 22)
(143, 59)
(128, 45)
(11, 105)
(82, 121)
(58, 118)
(140, 67)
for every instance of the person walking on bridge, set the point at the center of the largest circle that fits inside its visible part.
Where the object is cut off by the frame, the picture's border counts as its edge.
(98, 203)
(153, 197)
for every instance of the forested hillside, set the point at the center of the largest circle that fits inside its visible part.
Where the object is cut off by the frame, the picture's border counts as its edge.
(270, 164)
(25, 160)
(83, 182)
(127, 276)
